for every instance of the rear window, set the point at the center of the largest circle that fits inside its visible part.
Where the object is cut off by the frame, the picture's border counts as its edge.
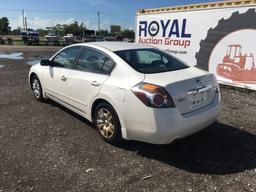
(150, 60)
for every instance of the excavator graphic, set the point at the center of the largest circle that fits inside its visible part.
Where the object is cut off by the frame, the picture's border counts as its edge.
(237, 67)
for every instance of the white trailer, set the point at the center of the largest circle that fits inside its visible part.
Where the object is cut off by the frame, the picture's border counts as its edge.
(218, 37)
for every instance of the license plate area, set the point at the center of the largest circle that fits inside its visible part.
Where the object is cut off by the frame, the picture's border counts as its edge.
(198, 97)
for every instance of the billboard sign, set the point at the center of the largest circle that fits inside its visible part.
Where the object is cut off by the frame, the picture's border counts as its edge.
(219, 40)
(115, 28)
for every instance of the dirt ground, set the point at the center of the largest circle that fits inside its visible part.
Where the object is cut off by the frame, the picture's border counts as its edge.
(45, 147)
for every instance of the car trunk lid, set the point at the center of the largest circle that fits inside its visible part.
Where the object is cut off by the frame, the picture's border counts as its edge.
(190, 88)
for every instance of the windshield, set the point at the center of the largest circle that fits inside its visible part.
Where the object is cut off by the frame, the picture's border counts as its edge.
(150, 60)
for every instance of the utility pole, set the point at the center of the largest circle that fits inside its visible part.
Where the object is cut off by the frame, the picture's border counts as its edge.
(98, 21)
(26, 24)
(23, 19)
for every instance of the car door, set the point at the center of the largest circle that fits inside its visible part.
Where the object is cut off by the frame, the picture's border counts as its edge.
(92, 69)
(56, 79)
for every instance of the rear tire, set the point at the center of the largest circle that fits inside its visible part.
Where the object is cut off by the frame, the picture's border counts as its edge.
(107, 123)
(36, 88)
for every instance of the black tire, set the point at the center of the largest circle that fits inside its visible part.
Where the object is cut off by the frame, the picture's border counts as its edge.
(39, 95)
(117, 136)
(234, 23)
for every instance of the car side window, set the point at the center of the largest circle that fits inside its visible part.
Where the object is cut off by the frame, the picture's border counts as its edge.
(147, 57)
(91, 61)
(67, 57)
(108, 66)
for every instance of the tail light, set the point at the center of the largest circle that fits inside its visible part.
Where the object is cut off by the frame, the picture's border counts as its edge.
(153, 95)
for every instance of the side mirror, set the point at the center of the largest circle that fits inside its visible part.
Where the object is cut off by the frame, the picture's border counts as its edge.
(46, 62)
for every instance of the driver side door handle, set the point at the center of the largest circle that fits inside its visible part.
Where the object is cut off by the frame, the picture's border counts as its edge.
(63, 78)
(95, 83)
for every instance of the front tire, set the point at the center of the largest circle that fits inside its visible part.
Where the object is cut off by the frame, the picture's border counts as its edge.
(107, 123)
(36, 88)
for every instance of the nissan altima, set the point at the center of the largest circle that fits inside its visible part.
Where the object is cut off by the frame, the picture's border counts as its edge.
(129, 91)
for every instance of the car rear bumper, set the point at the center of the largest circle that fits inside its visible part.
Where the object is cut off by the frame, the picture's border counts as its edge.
(166, 125)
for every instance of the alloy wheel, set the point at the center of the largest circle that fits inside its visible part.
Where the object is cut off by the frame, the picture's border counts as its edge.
(104, 121)
(36, 88)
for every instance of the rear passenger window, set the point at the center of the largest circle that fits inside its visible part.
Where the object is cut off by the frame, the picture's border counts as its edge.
(108, 66)
(91, 61)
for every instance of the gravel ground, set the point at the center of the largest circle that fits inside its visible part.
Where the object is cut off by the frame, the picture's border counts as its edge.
(45, 147)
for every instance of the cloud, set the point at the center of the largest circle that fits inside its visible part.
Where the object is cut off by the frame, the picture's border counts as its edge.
(94, 26)
(37, 22)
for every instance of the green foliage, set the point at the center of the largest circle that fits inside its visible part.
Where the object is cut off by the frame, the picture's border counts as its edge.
(73, 28)
(102, 33)
(128, 33)
(42, 32)
(16, 31)
(4, 26)
(58, 29)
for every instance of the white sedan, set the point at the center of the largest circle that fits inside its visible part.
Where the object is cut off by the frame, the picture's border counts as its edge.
(129, 91)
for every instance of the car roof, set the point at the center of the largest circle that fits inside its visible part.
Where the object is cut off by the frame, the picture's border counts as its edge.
(118, 46)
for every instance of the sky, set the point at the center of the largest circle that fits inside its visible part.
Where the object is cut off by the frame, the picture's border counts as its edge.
(46, 13)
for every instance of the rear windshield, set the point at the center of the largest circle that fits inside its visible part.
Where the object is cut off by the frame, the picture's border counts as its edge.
(150, 60)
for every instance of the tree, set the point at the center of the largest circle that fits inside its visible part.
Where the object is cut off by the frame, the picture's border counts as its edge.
(42, 32)
(75, 29)
(102, 33)
(128, 33)
(58, 29)
(16, 31)
(4, 26)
